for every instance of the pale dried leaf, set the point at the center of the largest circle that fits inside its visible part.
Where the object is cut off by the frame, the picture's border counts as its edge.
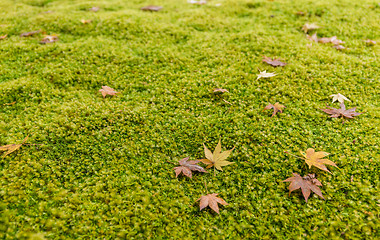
(339, 97)
(151, 8)
(264, 74)
(108, 91)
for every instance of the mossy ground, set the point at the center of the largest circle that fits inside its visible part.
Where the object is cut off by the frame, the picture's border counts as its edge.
(102, 170)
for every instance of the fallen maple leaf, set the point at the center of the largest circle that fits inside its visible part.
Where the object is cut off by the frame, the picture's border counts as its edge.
(339, 47)
(28, 34)
(308, 27)
(339, 97)
(220, 90)
(334, 40)
(151, 8)
(12, 147)
(3, 37)
(216, 159)
(212, 201)
(201, 2)
(264, 74)
(108, 91)
(84, 21)
(313, 158)
(370, 42)
(342, 112)
(49, 39)
(307, 184)
(277, 107)
(94, 9)
(313, 38)
(187, 166)
(273, 62)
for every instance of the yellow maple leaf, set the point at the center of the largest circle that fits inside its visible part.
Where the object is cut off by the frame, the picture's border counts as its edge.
(313, 158)
(10, 148)
(218, 158)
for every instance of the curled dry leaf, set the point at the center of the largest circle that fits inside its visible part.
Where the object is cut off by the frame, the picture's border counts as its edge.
(49, 39)
(108, 91)
(264, 74)
(273, 62)
(212, 201)
(11, 147)
(339, 97)
(28, 34)
(218, 158)
(151, 8)
(277, 107)
(307, 27)
(307, 184)
(342, 112)
(220, 90)
(186, 167)
(313, 158)
(3, 37)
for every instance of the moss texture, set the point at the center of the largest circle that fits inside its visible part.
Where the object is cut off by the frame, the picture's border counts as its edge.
(103, 171)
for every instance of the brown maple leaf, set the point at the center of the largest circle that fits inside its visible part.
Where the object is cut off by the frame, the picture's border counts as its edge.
(277, 107)
(342, 112)
(220, 90)
(307, 184)
(151, 8)
(212, 201)
(3, 37)
(187, 166)
(370, 42)
(11, 147)
(217, 158)
(28, 34)
(313, 158)
(273, 62)
(108, 91)
(94, 9)
(334, 40)
(49, 39)
(86, 21)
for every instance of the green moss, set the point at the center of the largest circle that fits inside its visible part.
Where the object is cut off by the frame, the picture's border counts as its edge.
(102, 170)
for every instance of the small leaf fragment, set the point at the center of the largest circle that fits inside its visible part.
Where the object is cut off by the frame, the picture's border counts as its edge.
(3, 37)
